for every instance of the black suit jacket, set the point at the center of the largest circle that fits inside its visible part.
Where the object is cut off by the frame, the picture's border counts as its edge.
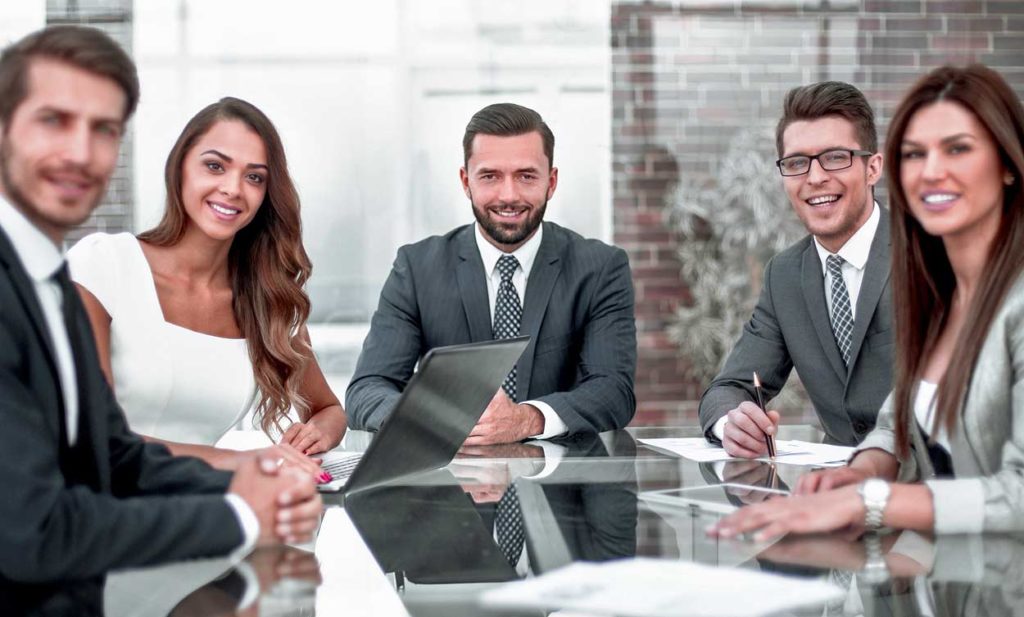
(791, 328)
(125, 503)
(578, 312)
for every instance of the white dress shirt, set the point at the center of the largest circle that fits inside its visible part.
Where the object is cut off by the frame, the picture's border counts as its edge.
(525, 254)
(855, 258)
(42, 259)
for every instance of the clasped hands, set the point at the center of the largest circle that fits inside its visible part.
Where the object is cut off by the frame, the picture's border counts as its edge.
(284, 499)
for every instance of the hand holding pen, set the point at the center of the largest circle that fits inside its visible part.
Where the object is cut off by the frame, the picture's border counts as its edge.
(747, 432)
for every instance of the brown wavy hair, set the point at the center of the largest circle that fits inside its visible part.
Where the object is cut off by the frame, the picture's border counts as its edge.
(267, 264)
(922, 277)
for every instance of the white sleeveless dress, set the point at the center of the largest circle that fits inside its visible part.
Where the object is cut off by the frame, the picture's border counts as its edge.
(173, 383)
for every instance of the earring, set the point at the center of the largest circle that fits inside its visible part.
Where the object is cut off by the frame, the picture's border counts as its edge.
(1008, 179)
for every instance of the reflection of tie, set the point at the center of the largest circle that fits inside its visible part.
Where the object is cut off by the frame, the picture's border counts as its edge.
(508, 314)
(842, 315)
(508, 520)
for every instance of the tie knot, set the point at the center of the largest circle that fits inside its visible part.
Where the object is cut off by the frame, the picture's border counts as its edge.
(834, 264)
(507, 265)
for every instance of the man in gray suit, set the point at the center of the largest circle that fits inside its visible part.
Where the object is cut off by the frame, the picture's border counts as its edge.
(509, 274)
(825, 301)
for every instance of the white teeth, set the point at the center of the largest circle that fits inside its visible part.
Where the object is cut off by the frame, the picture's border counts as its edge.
(939, 198)
(508, 213)
(223, 210)
(822, 199)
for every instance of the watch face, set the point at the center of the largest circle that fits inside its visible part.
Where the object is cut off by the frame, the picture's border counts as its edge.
(876, 490)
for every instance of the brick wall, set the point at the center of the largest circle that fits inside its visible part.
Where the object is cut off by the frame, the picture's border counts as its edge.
(114, 17)
(689, 77)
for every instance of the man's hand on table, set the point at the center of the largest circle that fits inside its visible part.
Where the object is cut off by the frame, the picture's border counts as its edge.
(506, 422)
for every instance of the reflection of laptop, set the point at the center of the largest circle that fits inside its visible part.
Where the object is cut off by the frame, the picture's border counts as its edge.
(435, 413)
(431, 533)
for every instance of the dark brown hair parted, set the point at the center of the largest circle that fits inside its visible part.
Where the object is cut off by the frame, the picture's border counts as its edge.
(922, 277)
(85, 48)
(267, 264)
(829, 98)
(507, 120)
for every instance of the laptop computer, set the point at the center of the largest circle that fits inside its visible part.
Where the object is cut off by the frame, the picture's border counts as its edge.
(433, 416)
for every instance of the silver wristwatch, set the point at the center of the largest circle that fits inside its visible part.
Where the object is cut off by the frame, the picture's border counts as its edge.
(875, 493)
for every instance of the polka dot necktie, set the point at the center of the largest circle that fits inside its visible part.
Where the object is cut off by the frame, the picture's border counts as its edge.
(842, 314)
(508, 314)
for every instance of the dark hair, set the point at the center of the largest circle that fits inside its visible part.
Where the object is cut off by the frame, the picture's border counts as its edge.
(85, 48)
(829, 98)
(922, 277)
(507, 120)
(267, 263)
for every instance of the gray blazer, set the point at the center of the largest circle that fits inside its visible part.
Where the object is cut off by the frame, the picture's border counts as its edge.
(790, 328)
(578, 312)
(987, 449)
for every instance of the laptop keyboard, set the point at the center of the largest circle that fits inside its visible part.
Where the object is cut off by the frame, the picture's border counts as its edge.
(341, 465)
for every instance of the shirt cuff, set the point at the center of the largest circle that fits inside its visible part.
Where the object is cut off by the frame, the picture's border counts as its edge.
(251, 593)
(553, 455)
(718, 429)
(248, 522)
(553, 425)
(959, 505)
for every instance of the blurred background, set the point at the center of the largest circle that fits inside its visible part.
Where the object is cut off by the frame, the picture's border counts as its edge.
(663, 113)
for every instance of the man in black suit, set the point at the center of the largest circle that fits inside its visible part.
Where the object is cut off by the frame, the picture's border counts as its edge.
(83, 494)
(509, 274)
(825, 306)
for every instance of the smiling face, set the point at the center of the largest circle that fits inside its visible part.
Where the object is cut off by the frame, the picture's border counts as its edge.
(832, 205)
(60, 146)
(951, 172)
(509, 181)
(224, 179)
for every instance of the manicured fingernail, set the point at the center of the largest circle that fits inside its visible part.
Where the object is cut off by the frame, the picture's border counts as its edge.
(328, 475)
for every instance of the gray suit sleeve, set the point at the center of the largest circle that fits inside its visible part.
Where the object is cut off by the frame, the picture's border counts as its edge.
(603, 398)
(760, 348)
(390, 352)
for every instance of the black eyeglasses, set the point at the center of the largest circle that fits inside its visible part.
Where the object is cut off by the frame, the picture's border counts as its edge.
(830, 160)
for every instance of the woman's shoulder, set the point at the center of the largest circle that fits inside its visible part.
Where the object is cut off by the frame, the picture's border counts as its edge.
(106, 265)
(102, 246)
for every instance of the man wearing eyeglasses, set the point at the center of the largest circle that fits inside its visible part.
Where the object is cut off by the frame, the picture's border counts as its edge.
(825, 302)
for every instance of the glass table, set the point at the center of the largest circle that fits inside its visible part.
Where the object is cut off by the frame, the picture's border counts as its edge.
(432, 544)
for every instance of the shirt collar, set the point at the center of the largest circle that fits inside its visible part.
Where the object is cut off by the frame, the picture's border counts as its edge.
(37, 252)
(490, 254)
(856, 250)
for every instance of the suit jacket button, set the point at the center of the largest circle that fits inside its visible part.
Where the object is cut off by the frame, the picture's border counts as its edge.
(860, 426)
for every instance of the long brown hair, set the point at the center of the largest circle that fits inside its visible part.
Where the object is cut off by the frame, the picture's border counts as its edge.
(922, 277)
(267, 263)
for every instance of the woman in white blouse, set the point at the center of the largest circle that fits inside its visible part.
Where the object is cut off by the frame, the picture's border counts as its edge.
(204, 316)
(953, 428)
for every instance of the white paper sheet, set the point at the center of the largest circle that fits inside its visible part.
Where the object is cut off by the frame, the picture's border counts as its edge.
(791, 451)
(663, 588)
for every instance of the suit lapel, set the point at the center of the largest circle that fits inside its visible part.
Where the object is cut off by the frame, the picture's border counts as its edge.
(473, 287)
(876, 275)
(25, 290)
(813, 282)
(546, 268)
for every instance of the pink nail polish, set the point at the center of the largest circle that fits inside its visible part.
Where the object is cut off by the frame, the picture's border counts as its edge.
(328, 476)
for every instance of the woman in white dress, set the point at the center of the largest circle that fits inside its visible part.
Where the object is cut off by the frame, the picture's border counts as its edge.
(204, 316)
(947, 454)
